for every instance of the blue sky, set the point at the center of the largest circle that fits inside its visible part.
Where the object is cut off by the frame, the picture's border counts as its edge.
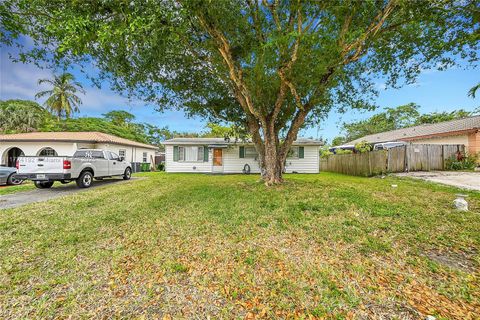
(434, 91)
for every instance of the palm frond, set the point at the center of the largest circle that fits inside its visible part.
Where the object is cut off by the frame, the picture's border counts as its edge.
(472, 91)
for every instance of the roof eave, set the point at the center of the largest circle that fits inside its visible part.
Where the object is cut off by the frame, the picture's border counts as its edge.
(79, 140)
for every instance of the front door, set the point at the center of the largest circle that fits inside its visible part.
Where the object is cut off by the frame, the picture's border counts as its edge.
(217, 160)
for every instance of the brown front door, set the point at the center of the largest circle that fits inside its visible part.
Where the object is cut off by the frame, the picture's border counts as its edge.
(217, 157)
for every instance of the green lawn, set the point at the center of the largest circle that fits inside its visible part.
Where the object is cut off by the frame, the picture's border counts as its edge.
(13, 189)
(188, 246)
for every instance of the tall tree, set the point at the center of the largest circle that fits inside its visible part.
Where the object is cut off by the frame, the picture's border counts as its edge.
(21, 116)
(390, 119)
(272, 66)
(119, 117)
(62, 98)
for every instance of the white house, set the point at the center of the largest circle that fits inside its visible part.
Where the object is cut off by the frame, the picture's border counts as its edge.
(66, 143)
(216, 155)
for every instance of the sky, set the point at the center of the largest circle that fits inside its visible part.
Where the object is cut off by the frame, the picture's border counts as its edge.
(434, 91)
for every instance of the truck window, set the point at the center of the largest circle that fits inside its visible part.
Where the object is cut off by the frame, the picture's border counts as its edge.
(97, 154)
(113, 156)
(80, 154)
(89, 154)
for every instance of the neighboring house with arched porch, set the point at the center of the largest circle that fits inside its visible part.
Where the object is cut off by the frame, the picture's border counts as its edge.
(13, 146)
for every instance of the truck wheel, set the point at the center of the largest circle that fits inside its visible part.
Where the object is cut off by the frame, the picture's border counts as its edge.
(85, 179)
(43, 184)
(127, 174)
(12, 181)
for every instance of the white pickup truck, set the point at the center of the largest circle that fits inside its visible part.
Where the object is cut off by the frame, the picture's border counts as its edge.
(83, 167)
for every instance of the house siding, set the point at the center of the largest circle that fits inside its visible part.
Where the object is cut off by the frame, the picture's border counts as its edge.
(184, 166)
(132, 154)
(471, 141)
(309, 164)
(232, 163)
(454, 139)
(474, 143)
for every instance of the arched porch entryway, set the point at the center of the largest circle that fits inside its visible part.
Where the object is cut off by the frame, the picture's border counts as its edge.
(11, 156)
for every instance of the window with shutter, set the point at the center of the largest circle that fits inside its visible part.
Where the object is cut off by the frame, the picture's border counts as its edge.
(250, 152)
(200, 153)
(205, 154)
(190, 153)
(301, 152)
(241, 152)
(175, 153)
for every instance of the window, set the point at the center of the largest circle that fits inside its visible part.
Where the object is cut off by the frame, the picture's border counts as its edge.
(48, 152)
(250, 152)
(89, 154)
(113, 156)
(122, 153)
(293, 153)
(296, 152)
(191, 154)
(145, 157)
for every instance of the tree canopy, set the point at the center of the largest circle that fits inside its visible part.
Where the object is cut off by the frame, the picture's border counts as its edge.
(272, 67)
(119, 117)
(21, 116)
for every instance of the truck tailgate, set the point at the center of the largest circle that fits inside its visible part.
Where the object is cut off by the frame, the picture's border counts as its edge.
(40, 165)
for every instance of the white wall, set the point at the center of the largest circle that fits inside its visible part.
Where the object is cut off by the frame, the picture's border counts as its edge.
(232, 163)
(133, 154)
(309, 164)
(184, 166)
(34, 148)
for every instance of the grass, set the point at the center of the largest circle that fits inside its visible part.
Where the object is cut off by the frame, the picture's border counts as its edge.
(192, 246)
(13, 189)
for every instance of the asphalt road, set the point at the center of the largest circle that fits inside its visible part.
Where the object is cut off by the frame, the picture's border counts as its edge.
(58, 190)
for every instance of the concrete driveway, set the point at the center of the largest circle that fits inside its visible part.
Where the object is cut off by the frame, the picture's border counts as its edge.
(464, 180)
(21, 198)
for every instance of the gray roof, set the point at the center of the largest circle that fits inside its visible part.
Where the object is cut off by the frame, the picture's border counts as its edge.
(442, 128)
(222, 141)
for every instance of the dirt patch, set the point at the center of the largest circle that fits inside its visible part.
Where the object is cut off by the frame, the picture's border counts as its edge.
(387, 311)
(462, 261)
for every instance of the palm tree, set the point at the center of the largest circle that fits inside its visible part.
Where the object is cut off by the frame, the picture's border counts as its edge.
(472, 91)
(62, 99)
(21, 116)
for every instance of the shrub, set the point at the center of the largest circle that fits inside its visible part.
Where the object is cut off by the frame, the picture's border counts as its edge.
(341, 151)
(363, 146)
(161, 166)
(461, 162)
(324, 152)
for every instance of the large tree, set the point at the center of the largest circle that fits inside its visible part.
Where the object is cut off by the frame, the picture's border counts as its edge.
(272, 66)
(21, 116)
(62, 99)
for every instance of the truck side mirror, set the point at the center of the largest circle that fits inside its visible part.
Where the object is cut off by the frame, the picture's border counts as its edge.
(121, 159)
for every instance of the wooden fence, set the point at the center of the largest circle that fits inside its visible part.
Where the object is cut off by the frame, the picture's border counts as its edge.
(412, 157)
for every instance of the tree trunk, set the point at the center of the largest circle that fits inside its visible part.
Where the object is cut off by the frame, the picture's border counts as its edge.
(273, 162)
